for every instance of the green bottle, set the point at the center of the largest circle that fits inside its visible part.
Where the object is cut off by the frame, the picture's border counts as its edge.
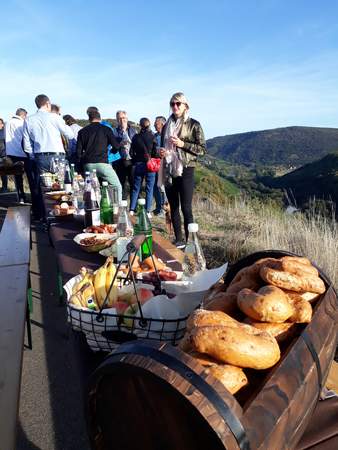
(143, 226)
(106, 209)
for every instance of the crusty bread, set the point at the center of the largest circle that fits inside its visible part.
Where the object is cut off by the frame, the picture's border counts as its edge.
(202, 317)
(224, 302)
(241, 345)
(233, 378)
(280, 331)
(291, 282)
(269, 304)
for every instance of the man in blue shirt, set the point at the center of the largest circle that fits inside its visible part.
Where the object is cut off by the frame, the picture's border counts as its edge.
(43, 142)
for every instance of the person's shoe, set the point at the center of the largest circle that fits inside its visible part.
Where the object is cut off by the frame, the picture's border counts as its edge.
(149, 215)
(180, 244)
(131, 213)
(159, 213)
(3, 189)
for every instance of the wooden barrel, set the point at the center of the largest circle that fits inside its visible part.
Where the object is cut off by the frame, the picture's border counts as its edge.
(152, 396)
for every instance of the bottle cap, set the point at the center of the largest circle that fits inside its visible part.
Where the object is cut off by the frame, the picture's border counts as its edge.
(123, 203)
(104, 183)
(141, 201)
(193, 227)
(72, 164)
(87, 173)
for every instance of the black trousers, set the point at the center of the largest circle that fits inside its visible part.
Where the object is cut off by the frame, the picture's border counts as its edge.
(181, 192)
(124, 170)
(29, 169)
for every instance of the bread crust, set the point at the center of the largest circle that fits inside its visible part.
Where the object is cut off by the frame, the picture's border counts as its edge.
(241, 345)
(280, 331)
(233, 378)
(224, 302)
(302, 310)
(292, 282)
(202, 317)
(269, 304)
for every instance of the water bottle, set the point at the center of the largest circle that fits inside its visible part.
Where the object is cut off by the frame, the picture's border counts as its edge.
(96, 186)
(106, 210)
(124, 226)
(124, 231)
(91, 206)
(72, 171)
(114, 200)
(68, 180)
(143, 226)
(194, 260)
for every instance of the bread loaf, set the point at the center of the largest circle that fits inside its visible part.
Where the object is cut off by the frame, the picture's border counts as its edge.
(241, 345)
(291, 282)
(269, 304)
(233, 378)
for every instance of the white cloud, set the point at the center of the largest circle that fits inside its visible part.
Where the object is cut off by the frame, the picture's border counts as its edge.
(245, 97)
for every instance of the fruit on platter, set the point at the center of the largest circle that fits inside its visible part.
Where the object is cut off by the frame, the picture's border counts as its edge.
(96, 286)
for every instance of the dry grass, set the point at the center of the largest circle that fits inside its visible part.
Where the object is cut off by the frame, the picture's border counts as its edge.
(241, 226)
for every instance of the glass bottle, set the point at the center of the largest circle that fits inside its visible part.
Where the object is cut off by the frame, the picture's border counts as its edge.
(96, 186)
(194, 260)
(124, 232)
(106, 210)
(143, 226)
(124, 226)
(91, 206)
(68, 180)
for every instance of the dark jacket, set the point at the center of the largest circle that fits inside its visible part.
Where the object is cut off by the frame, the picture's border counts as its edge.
(92, 143)
(192, 135)
(143, 146)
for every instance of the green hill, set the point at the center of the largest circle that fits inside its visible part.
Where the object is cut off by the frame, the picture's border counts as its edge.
(318, 179)
(213, 187)
(290, 146)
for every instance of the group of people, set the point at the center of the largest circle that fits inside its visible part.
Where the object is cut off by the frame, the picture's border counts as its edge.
(121, 155)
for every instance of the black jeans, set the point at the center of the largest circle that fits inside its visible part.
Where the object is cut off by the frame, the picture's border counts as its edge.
(124, 170)
(29, 170)
(181, 191)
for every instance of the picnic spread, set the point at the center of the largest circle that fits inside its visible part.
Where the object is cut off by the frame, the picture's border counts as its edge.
(239, 344)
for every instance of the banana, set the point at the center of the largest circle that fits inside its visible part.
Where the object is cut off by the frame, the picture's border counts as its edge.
(87, 276)
(100, 283)
(84, 297)
(111, 270)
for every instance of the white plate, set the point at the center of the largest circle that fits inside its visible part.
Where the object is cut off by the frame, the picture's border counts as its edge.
(99, 236)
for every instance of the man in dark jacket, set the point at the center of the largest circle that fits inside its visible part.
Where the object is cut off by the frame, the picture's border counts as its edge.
(92, 150)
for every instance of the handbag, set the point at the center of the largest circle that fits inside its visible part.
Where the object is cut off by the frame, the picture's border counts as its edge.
(153, 164)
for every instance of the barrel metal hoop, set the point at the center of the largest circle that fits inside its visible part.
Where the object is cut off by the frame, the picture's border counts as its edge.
(185, 371)
(312, 350)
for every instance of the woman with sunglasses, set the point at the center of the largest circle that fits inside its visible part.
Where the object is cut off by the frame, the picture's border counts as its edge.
(182, 142)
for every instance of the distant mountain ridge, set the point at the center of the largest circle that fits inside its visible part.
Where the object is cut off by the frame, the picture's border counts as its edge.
(318, 179)
(289, 146)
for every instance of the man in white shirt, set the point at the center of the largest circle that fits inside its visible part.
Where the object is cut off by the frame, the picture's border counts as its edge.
(14, 136)
(42, 139)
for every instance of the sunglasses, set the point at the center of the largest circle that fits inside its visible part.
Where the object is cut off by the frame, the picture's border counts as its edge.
(178, 104)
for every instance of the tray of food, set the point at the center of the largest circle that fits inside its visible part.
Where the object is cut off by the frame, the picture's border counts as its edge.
(64, 209)
(57, 195)
(91, 242)
(101, 229)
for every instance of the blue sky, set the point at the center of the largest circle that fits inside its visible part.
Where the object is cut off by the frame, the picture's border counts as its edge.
(244, 65)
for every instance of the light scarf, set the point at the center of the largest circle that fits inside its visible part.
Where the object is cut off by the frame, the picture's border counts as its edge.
(171, 164)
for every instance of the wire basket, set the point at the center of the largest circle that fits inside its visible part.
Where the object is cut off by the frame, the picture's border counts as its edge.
(116, 329)
(105, 330)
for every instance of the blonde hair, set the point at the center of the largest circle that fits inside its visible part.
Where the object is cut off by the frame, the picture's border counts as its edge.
(179, 97)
